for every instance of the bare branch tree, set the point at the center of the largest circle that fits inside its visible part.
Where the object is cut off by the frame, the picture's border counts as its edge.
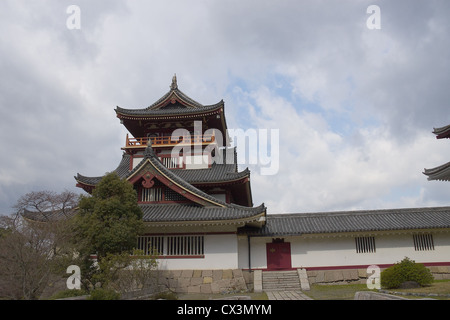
(32, 242)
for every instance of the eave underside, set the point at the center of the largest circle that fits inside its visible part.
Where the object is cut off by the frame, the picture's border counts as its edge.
(140, 126)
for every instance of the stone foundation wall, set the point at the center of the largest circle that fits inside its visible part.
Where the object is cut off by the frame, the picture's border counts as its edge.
(337, 276)
(203, 281)
(343, 276)
(441, 272)
(238, 281)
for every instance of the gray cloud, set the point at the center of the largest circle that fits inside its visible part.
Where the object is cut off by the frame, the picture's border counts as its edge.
(362, 98)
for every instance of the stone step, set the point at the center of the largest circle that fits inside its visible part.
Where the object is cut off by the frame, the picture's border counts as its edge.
(278, 287)
(285, 280)
(280, 280)
(282, 289)
(281, 285)
(279, 273)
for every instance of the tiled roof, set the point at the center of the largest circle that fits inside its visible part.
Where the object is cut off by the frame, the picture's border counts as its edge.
(122, 171)
(353, 221)
(150, 157)
(216, 173)
(158, 213)
(207, 210)
(212, 208)
(442, 132)
(174, 213)
(168, 111)
(439, 173)
(164, 106)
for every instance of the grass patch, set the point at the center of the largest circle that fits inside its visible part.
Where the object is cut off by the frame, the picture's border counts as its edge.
(67, 294)
(335, 291)
(439, 287)
(347, 291)
(210, 296)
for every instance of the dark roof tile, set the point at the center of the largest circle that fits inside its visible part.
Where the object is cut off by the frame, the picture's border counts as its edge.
(353, 221)
(185, 212)
(216, 173)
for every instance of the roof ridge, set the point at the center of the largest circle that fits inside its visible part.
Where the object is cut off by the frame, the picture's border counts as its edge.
(168, 98)
(360, 212)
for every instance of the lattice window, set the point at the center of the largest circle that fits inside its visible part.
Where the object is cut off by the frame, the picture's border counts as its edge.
(170, 195)
(185, 245)
(171, 245)
(151, 245)
(365, 244)
(152, 194)
(172, 162)
(423, 242)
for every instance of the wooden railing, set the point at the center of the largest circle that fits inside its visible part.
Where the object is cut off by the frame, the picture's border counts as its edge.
(168, 140)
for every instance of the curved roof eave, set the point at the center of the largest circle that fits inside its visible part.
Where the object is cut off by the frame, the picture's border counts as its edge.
(151, 113)
(442, 132)
(438, 173)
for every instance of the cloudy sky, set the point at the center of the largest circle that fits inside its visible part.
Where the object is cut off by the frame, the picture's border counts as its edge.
(354, 106)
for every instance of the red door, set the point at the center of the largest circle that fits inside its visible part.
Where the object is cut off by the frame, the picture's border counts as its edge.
(278, 255)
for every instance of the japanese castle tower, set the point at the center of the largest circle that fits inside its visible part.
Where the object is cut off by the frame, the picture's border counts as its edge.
(192, 196)
(199, 213)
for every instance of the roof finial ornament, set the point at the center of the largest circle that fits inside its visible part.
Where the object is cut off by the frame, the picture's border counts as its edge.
(149, 152)
(174, 84)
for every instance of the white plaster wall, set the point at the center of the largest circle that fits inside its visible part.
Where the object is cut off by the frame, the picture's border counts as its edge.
(257, 252)
(341, 251)
(221, 252)
(242, 253)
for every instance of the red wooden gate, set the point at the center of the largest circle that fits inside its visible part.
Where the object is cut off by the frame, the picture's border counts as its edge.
(278, 255)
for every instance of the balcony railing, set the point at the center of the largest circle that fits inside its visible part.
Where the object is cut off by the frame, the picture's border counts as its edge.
(169, 141)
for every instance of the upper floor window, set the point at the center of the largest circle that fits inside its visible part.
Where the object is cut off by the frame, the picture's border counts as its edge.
(158, 193)
(172, 163)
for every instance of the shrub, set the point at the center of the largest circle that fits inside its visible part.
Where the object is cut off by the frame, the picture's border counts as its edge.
(67, 294)
(104, 294)
(167, 295)
(405, 270)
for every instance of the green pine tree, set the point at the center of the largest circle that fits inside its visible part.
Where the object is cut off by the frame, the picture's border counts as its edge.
(107, 224)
